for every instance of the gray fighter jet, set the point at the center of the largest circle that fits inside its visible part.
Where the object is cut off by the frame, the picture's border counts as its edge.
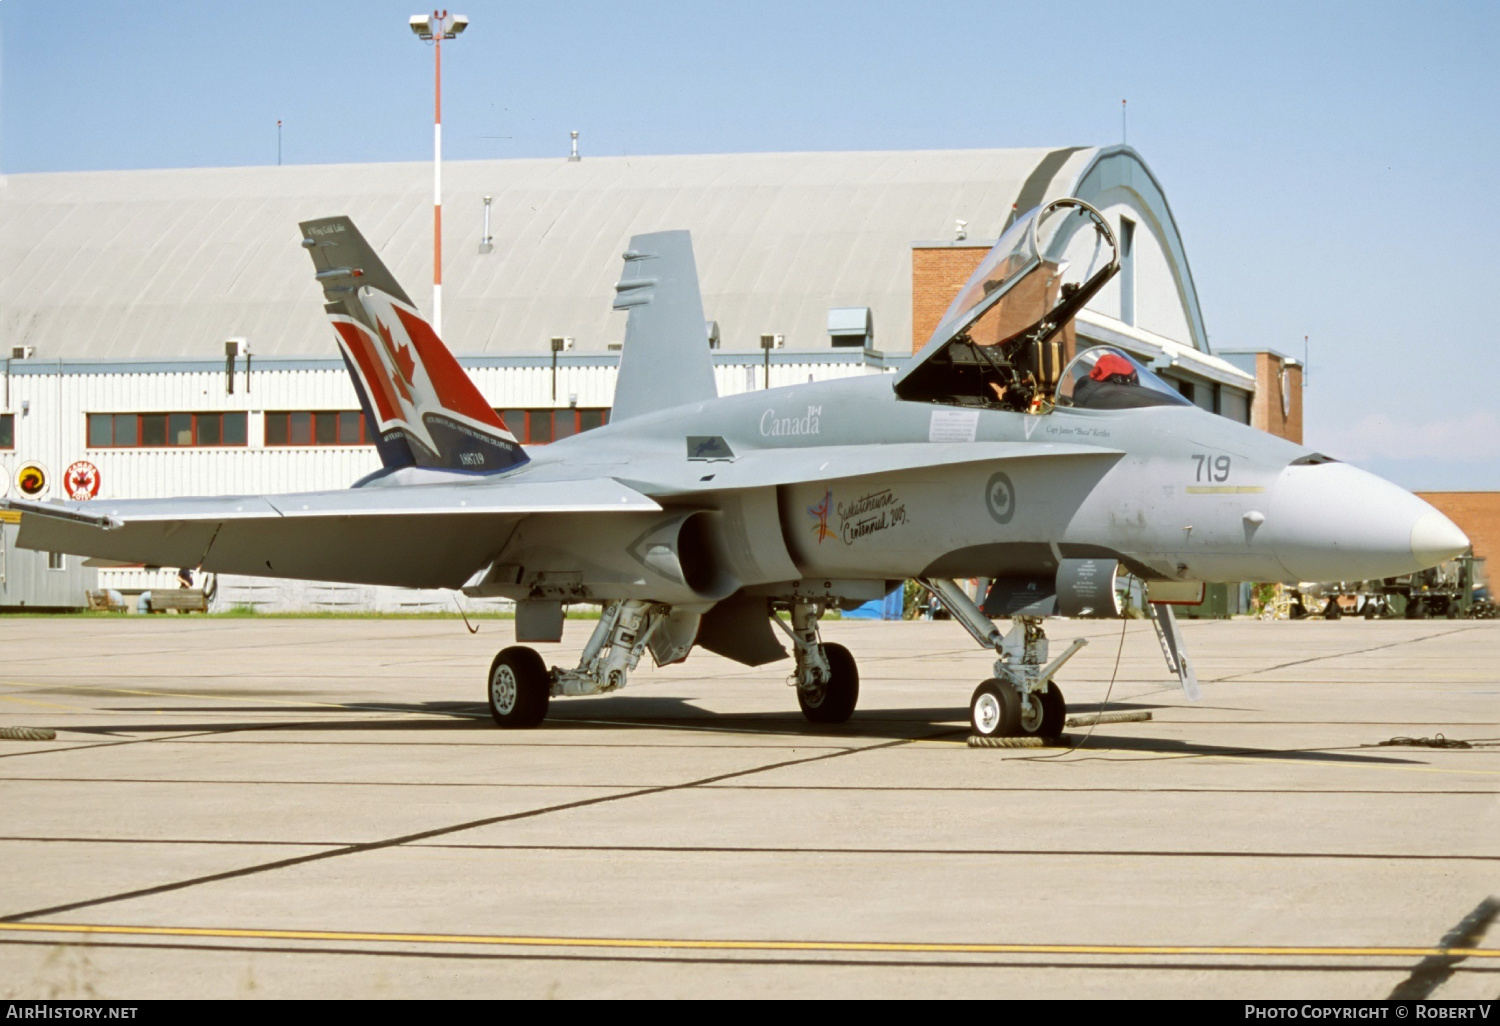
(696, 521)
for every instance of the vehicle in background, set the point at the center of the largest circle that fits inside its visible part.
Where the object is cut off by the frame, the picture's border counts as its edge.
(1454, 590)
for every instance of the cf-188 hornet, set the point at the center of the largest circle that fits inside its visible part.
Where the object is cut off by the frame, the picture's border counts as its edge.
(695, 520)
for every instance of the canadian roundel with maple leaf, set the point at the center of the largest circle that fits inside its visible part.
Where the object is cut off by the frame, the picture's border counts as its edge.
(81, 481)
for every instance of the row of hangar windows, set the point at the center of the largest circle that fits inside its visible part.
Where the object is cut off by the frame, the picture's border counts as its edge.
(294, 427)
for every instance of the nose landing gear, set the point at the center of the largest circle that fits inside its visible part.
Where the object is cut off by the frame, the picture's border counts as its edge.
(1021, 700)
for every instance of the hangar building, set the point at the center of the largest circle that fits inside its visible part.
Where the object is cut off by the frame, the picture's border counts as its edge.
(122, 292)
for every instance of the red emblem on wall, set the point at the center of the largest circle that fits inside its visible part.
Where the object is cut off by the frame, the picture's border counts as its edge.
(81, 481)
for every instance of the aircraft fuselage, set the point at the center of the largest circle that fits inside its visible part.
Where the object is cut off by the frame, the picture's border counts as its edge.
(1173, 492)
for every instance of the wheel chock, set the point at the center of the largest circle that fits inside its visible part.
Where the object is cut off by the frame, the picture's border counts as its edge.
(975, 741)
(27, 734)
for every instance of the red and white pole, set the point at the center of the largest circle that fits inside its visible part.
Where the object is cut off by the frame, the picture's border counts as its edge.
(439, 21)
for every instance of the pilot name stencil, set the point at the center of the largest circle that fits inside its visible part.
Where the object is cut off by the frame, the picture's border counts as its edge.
(807, 424)
(1076, 432)
(869, 514)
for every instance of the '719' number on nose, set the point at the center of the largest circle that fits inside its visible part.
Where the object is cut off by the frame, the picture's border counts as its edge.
(1211, 468)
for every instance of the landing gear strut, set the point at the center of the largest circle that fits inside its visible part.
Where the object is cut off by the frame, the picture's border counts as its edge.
(1021, 699)
(827, 678)
(521, 685)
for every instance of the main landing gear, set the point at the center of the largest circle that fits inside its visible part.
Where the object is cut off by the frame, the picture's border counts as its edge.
(1021, 699)
(827, 678)
(521, 686)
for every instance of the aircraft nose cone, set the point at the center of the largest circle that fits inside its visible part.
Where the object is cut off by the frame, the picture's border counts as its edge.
(1334, 522)
(1436, 539)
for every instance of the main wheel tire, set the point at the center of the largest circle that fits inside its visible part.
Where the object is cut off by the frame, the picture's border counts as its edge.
(520, 688)
(1054, 711)
(834, 702)
(995, 710)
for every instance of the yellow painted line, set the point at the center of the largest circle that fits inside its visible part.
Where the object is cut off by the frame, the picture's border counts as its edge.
(1225, 489)
(45, 705)
(755, 945)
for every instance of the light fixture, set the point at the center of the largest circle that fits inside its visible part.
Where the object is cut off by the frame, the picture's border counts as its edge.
(428, 26)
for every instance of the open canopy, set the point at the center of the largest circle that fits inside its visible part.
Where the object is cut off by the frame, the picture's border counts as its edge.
(991, 347)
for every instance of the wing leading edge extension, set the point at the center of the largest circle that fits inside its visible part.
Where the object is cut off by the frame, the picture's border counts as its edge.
(418, 536)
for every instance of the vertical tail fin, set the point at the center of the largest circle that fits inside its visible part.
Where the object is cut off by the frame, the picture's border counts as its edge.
(666, 361)
(427, 410)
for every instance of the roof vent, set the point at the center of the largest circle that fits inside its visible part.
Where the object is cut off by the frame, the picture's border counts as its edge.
(851, 327)
(573, 157)
(712, 328)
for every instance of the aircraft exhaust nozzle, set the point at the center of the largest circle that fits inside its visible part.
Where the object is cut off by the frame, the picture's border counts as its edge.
(1334, 522)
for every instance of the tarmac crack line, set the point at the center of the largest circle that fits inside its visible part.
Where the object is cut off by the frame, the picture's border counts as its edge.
(422, 835)
(790, 850)
(1342, 655)
(109, 744)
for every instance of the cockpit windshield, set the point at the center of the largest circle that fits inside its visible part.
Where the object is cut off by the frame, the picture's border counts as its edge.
(1106, 378)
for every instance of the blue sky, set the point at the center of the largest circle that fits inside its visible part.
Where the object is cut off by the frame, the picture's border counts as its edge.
(1329, 165)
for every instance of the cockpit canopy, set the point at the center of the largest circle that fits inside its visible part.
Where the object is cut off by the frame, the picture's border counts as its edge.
(1106, 378)
(1005, 336)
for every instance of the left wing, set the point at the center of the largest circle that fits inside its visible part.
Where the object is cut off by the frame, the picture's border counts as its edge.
(416, 536)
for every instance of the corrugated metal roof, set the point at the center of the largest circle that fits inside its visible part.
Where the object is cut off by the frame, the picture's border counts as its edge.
(167, 264)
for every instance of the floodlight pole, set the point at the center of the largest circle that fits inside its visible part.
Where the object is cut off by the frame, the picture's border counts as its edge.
(437, 26)
(437, 173)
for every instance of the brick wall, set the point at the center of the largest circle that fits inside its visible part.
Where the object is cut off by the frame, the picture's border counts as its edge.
(1265, 411)
(1478, 515)
(937, 273)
